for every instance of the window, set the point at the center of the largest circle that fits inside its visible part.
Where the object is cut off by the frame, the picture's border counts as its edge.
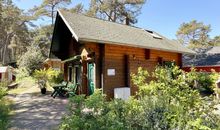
(169, 63)
(156, 36)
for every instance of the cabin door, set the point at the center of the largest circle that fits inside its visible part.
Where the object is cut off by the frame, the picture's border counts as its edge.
(91, 78)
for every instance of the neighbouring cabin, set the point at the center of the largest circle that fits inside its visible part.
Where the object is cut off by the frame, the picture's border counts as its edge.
(206, 62)
(7, 74)
(102, 54)
(55, 64)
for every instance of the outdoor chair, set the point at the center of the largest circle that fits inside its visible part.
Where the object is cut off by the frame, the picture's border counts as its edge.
(59, 89)
(71, 89)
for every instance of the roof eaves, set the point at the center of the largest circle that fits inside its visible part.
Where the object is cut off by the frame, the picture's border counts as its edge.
(69, 27)
(132, 45)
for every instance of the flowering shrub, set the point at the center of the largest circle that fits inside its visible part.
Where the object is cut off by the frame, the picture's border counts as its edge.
(166, 103)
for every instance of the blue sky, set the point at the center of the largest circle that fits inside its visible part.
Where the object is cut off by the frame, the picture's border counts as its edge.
(165, 16)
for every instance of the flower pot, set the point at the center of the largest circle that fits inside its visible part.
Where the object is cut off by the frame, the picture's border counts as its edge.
(43, 90)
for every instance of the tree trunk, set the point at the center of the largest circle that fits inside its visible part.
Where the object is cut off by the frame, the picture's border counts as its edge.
(6, 54)
(52, 13)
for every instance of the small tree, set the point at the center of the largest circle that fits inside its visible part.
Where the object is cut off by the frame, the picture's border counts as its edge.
(31, 60)
(50, 76)
(194, 35)
(116, 10)
(49, 7)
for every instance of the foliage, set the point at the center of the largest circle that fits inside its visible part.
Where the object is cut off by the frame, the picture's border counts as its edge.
(79, 8)
(214, 77)
(167, 102)
(4, 114)
(42, 38)
(203, 81)
(48, 8)
(194, 34)
(31, 60)
(206, 83)
(14, 35)
(48, 75)
(115, 10)
(215, 41)
(94, 113)
(21, 73)
(3, 88)
(184, 104)
(4, 107)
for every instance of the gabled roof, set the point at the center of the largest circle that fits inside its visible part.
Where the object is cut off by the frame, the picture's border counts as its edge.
(89, 29)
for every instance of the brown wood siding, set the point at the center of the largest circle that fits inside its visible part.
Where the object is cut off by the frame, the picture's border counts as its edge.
(92, 47)
(125, 60)
(115, 59)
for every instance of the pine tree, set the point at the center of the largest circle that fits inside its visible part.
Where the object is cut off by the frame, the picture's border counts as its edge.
(14, 36)
(49, 7)
(116, 10)
(194, 35)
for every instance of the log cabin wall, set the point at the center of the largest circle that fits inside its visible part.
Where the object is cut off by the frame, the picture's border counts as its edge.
(115, 58)
(93, 47)
(124, 60)
(53, 64)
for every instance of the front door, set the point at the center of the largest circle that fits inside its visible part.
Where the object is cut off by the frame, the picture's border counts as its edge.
(91, 78)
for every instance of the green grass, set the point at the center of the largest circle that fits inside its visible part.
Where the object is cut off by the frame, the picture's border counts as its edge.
(23, 85)
(5, 109)
(27, 85)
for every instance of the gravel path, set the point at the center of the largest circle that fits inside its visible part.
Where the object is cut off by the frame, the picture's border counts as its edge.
(38, 112)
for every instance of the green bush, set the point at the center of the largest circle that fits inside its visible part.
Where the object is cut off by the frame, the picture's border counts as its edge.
(165, 103)
(4, 106)
(48, 75)
(4, 114)
(21, 73)
(3, 88)
(31, 60)
(205, 83)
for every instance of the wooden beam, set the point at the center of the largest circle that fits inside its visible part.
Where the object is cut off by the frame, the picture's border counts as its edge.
(102, 64)
(147, 54)
(127, 71)
(85, 89)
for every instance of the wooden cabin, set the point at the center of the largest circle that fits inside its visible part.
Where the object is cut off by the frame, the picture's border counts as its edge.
(6, 74)
(102, 54)
(54, 63)
(207, 61)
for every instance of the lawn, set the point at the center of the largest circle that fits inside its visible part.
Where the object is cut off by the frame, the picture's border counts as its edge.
(27, 85)
(5, 106)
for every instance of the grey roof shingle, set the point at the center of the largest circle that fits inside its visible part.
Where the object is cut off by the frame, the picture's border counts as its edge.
(214, 50)
(90, 29)
(211, 57)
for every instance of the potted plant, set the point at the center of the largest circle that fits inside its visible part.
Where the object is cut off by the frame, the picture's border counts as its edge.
(41, 76)
(50, 76)
(42, 85)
